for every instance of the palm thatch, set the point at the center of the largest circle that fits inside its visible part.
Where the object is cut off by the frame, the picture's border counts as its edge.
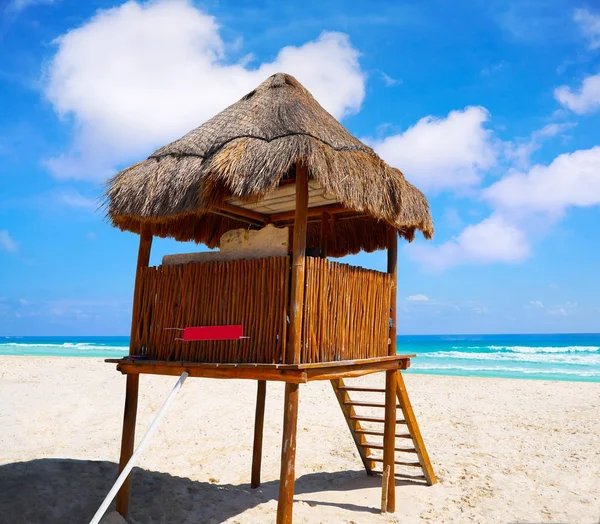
(243, 153)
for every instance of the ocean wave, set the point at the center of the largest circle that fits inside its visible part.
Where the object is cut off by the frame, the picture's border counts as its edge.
(589, 359)
(84, 346)
(534, 349)
(506, 369)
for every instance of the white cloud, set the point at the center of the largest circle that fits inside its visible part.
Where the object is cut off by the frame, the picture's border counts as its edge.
(7, 243)
(519, 152)
(72, 198)
(492, 240)
(418, 298)
(584, 100)
(389, 81)
(590, 26)
(442, 153)
(140, 75)
(554, 129)
(16, 6)
(562, 310)
(536, 303)
(572, 179)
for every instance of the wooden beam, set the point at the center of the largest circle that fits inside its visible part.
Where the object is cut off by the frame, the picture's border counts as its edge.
(287, 477)
(297, 376)
(181, 366)
(298, 263)
(248, 221)
(392, 269)
(143, 259)
(245, 213)
(132, 382)
(324, 232)
(332, 209)
(389, 439)
(127, 440)
(259, 421)
(353, 370)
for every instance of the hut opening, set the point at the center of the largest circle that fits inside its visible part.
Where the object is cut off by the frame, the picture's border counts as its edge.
(280, 187)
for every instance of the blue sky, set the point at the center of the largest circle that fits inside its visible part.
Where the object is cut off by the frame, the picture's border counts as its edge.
(492, 108)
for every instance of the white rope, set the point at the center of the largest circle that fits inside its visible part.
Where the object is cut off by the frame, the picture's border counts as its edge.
(142, 446)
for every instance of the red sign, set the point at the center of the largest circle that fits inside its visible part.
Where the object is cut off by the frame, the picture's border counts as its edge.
(213, 333)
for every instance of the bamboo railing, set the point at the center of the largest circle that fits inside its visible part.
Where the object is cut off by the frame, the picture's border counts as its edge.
(345, 316)
(248, 292)
(346, 312)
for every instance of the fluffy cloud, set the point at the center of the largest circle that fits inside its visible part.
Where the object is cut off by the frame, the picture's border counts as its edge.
(572, 179)
(536, 303)
(74, 199)
(519, 152)
(140, 75)
(418, 298)
(492, 240)
(583, 100)
(590, 26)
(443, 153)
(7, 243)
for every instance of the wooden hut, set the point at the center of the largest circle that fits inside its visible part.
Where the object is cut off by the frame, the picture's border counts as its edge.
(275, 160)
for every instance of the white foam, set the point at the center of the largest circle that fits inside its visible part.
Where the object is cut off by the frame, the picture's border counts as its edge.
(544, 358)
(527, 371)
(84, 346)
(534, 349)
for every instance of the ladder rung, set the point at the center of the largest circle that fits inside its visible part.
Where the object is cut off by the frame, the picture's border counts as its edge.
(397, 462)
(409, 477)
(401, 475)
(380, 433)
(379, 446)
(355, 388)
(373, 419)
(366, 404)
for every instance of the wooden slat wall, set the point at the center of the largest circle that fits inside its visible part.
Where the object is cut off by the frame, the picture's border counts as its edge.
(253, 293)
(346, 312)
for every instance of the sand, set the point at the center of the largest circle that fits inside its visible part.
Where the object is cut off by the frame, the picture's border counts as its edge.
(504, 450)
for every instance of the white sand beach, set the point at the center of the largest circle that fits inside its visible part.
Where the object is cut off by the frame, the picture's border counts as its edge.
(504, 450)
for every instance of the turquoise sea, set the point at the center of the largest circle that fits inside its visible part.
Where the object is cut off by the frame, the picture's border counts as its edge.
(549, 357)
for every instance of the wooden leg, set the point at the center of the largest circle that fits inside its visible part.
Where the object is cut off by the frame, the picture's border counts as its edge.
(389, 438)
(288, 455)
(128, 438)
(259, 420)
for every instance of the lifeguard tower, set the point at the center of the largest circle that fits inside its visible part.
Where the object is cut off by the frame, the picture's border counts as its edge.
(279, 186)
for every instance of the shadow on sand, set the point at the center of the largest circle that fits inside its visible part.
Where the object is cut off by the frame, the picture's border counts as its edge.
(70, 491)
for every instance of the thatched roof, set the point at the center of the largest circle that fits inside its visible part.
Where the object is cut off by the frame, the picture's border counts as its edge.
(243, 153)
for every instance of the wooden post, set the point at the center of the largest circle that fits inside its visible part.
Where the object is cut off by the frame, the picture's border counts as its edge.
(389, 436)
(298, 263)
(288, 455)
(389, 439)
(392, 264)
(132, 384)
(324, 231)
(259, 420)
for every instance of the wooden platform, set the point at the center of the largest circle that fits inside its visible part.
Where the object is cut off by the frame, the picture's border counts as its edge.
(294, 373)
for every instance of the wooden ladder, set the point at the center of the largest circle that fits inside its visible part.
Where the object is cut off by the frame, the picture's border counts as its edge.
(367, 429)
